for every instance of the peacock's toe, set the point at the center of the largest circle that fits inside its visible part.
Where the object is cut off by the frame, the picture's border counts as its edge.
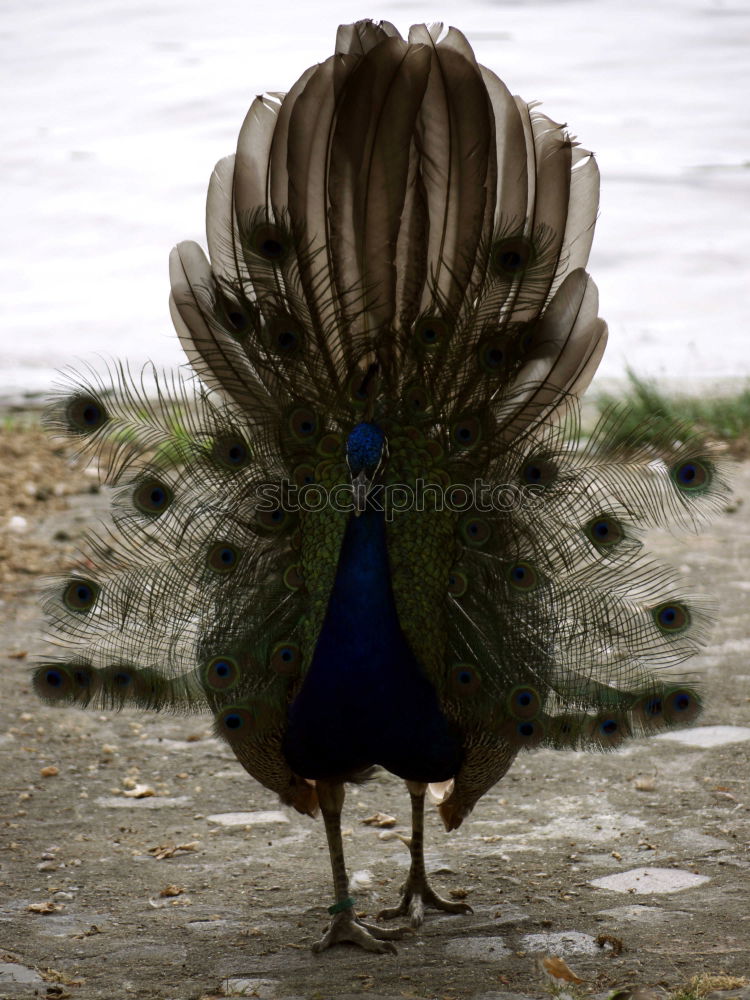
(345, 928)
(416, 896)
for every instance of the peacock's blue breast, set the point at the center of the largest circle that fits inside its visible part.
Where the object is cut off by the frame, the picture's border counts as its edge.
(365, 700)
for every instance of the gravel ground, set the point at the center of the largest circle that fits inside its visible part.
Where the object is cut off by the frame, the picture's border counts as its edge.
(138, 859)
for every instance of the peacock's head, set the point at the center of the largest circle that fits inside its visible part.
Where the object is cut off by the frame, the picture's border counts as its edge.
(366, 447)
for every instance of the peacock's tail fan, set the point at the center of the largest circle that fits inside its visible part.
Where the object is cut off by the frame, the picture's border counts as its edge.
(397, 208)
(397, 240)
(202, 591)
(555, 627)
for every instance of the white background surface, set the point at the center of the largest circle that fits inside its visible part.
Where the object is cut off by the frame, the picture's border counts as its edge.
(114, 114)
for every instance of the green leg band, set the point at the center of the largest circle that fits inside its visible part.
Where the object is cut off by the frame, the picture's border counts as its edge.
(343, 904)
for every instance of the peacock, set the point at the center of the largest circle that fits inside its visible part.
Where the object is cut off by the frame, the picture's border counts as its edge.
(364, 527)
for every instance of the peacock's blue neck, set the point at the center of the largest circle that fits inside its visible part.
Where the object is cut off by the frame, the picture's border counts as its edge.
(362, 609)
(365, 700)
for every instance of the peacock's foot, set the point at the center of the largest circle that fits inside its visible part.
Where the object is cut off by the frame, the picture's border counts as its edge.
(345, 927)
(417, 894)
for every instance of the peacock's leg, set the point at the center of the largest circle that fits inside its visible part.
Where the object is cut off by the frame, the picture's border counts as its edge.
(417, 893)
(345, 926)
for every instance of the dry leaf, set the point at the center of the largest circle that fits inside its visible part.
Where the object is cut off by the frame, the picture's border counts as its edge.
(382, 820)
(49, 772)
(171, 890)
(55, 976)
(48, 907)
(458, 893)
(558, 970)
(139, 792)
(169, 850)
(720, 794)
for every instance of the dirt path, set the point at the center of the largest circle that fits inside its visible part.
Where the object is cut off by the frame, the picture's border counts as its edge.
(163, 896)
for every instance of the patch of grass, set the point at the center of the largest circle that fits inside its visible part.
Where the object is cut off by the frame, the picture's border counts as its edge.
(700, 986)
(718, 418)
(16, 419)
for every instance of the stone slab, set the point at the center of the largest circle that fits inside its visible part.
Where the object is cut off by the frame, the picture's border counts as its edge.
(646, 881)
(707, 737)
(561, 943)
(265, 817)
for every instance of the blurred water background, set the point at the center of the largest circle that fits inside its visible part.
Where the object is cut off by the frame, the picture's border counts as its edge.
(114, 114)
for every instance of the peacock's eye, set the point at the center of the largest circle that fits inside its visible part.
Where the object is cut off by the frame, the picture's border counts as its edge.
(492, 355)
(303, 423)
(475, 531)
(671, 618)
(274, 520)
(466, 431)
(691, 475)
(604, 531)
(358, 388)
(284, 336)
(304, 475)
(286, 658)
(458, 583)
(80, 595)
(293, 578)
(237, 320)
(221, 673)
(83, 677)
(417, 400)
(653, 708)
(86, 414)
(526, 339)
(222, 558)
(233, 721)
(53, 683)
(511, 256)
(465, 679)
(681, 706)
(538, 471)
(152, 497)
(430, 332)
(231, 451)
(524, 703)
(522, 733)
(56, 682)
(363, 385)
(523, 577)
(122, 679)
(270, 242)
